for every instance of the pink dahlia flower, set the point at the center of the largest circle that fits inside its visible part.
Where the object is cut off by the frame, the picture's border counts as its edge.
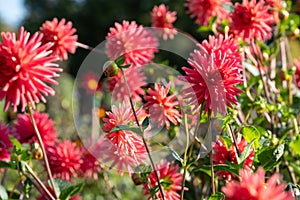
(24, 131)
(123, 148)
(161, 107)
(221, 155)
(170, 180)
(162, 18)
(212, 80)
(203, 10)
(251, 20)
(137, 43)
(5, 143)
(90, 167)
(25, 68)
(61, 34)
(252, 186)
(297, 73)
(135, 79)
(64, 159)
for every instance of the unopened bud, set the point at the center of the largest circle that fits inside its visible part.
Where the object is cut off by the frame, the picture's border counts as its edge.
(284, 14)
(37, 152)
(110, 69)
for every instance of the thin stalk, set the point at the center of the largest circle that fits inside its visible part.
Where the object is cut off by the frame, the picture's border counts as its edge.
(185, 157)
(35, 177)
(143, 138)
(45, 158)
(213, 188)
(87, 47)
(234, 140)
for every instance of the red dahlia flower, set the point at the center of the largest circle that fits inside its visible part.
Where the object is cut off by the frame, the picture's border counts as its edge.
(64, 159)
(5, 143)
(90, 167)
(24, 131)
(137, 43)
(203, 10)
(25, 68)
(61, 34)
(162, 18)
(221, 155)
(123, 148)
(251, 20)
(253, 186)
(170, 180)
(161, 107)
(297, 73)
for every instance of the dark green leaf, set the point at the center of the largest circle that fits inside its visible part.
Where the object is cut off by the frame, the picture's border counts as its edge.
(126, 128)
(125, 66)
(69, 192)
(247, 151)
(27, 187)
(145, 123)
(4, 164)
(217, 196)
(269, 156)
(60, 185)
(3, 193)
(120, 60)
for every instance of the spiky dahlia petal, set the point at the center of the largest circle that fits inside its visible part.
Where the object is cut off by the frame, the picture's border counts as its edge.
(251, 20)
(137, 43)
(64, 159)
(162, 18)
(203, 10)
(161, 107)
(253, 186)
(23, 129)
(25, 68)
(61, 34)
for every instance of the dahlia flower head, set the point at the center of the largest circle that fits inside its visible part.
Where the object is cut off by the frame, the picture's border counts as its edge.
(5, 143)
(90, 82)
(91, 166)
(135, 79)
(251, 21)
(222, 155)
(137, 43)
(64, 160)
(170, 180)
(161, 106)
(25, 67)
(215, 73)
(204, 10)
(124, 149)
(297, 73)
(163, 19)
(253, 186)
(61, 34)
(24, 132)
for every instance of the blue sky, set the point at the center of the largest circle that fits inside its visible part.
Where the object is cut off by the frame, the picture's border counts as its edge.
(12, 11)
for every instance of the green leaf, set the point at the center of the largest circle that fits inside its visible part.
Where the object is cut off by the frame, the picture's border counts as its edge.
(126, 128)
(3, 193)
(229, 167)
(145, 123)
(203, 29)
(27, 187)
(17, 145)
(120, 60)
(217, 196)
(295, 145)
(4, 164)
(227, 141)
(252, 133)
(60, 185)
(125, 66)
(269, 156)
(69, 192)
(245, 153)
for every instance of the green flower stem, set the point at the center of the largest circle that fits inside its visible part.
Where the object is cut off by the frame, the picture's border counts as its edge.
(213, 188)
(143, 138)
(43, 151)
(185, 157)
(31, 172)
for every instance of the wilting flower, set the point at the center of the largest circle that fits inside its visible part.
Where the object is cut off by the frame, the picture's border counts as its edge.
(162, 18)
(90, 165)
(61, 34)
(5, 142)
(25, 133)
(251, 20)
(222, 155)
(297, 73)
(212, 80)
(137, 43)
(135, 79)
(25, 68)
(123, 148)
(170, 180)
(161, 106)
(253, 186)
(203, 10)
(90, 82)
(64, 159)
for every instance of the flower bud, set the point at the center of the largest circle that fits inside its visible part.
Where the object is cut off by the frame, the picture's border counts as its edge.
(110, 69)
